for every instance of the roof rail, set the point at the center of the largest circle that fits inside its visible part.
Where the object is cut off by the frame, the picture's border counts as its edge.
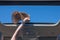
(47, 24)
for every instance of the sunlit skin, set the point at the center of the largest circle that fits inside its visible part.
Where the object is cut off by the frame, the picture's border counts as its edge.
(16, 18)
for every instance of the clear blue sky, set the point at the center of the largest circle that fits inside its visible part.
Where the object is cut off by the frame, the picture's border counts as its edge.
(37, 13)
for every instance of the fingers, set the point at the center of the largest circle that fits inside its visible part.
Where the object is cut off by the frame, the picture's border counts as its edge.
(26, 19)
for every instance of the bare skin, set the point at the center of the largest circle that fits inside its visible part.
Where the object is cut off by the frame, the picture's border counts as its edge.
(20, 16)
(17, 30)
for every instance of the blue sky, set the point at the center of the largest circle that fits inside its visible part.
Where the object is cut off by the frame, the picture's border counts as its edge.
(37, 13)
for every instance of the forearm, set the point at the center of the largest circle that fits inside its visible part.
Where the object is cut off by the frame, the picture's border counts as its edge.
(19, 27)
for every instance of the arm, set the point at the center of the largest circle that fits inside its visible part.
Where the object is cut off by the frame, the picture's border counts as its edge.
(19, 27)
